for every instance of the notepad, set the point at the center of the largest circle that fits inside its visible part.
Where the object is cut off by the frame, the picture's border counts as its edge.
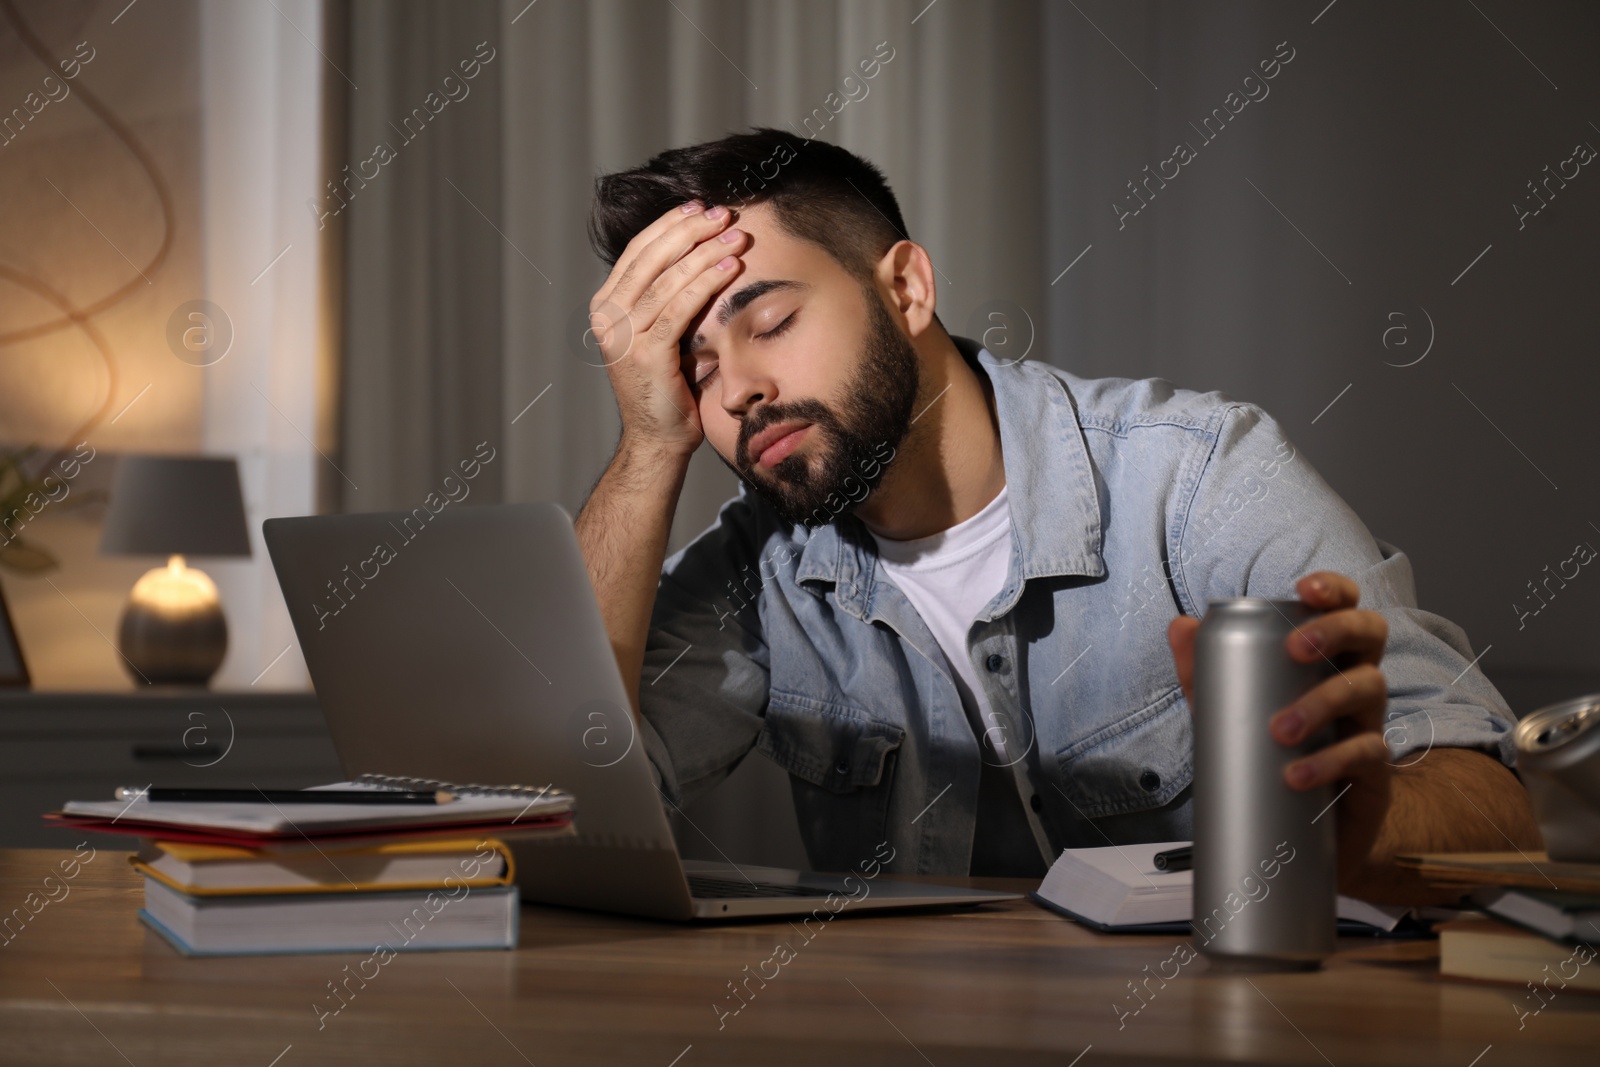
(476, 806)
(1119, 889)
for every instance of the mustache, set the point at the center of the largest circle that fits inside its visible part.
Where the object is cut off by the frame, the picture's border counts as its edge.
(808, 410)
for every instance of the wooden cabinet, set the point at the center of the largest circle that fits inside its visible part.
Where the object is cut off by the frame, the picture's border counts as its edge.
(56, 747)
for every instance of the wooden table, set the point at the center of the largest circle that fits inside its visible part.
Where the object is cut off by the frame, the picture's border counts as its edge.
(83, 982)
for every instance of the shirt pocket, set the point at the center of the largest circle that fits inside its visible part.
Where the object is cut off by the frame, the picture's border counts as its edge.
(1139, 762)
(841, 765)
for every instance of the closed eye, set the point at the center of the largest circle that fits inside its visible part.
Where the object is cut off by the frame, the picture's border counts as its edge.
(774, 332)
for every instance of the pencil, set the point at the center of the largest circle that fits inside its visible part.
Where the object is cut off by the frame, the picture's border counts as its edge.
(286, 796)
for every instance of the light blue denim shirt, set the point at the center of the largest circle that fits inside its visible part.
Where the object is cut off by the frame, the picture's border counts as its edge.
(1131, 501)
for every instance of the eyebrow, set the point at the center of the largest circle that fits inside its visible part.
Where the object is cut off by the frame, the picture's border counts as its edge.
(735, 303)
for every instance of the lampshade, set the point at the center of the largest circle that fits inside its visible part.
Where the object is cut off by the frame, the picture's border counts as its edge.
(184, 505)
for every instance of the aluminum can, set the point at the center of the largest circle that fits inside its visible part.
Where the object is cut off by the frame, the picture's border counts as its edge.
(1265, 855)
(1558, 756)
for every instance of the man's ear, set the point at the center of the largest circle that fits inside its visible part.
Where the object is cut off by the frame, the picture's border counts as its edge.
(906, 272)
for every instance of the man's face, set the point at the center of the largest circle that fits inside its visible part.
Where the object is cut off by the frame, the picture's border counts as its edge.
(818, 356)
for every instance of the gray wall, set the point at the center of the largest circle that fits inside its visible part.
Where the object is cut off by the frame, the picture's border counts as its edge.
(1392, 148)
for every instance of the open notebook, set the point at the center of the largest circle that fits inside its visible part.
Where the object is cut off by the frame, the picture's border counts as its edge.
(477, 807)
(1118, 889)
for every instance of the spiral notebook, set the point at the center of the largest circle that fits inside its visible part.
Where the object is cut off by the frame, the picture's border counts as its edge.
(479, 808)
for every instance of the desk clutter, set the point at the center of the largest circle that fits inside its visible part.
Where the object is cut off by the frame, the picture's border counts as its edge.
(1540, 927)
(367, 871)
(1524, 920)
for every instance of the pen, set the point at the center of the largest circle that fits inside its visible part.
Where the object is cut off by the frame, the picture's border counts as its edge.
(286, 796)
(1175, 859)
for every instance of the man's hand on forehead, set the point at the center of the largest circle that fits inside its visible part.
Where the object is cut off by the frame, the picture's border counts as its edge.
(660, 286)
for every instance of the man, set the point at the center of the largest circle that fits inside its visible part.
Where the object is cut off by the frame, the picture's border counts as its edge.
(956, 596)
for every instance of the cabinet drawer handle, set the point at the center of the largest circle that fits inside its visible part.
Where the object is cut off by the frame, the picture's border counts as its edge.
(174, 752)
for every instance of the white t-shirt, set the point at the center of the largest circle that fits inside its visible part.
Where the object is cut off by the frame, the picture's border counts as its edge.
(948, 577)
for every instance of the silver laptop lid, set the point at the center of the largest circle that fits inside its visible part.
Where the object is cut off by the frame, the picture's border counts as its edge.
(468, 646)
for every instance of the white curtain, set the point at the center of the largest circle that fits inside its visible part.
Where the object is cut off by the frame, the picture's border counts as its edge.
(601, 86)
(578, 89)
(261, 105)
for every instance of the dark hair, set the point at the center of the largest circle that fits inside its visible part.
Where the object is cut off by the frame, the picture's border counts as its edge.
(819, 192)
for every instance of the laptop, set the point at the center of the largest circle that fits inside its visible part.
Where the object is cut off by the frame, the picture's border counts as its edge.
(467, 646)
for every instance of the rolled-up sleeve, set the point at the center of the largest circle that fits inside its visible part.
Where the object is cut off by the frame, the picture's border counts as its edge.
(703, 689)
(1259, 517)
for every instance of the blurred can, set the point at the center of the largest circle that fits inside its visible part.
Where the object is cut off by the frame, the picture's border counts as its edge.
(1558, 756)
(1265, 855)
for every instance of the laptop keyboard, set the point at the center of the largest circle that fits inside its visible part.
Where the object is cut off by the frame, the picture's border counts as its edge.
(702, 886)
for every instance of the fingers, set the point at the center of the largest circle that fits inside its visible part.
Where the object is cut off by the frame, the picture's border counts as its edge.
(674, 319)
(1360, 694)
(1328, 590)
(1358, 635)
(1180, 637)
(642, 239)
(1354, 757)
(670, 266)
(662, 309)
(636, 273)
(667, 306)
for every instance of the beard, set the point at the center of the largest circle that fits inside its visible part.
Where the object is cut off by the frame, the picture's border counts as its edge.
(851, 448)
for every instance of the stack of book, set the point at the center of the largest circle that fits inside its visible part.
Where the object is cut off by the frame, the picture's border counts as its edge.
(1540, 925)
(378, 865)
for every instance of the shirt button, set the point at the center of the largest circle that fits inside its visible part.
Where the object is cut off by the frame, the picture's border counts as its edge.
(1150, 781)
(1036, 804)
(842, 768)
(995, 661)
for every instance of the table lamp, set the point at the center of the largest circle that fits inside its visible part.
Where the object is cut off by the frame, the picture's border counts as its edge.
(173, 631)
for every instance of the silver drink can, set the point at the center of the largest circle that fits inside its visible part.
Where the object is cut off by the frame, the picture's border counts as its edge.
(1558, 756)
(1265, 855)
